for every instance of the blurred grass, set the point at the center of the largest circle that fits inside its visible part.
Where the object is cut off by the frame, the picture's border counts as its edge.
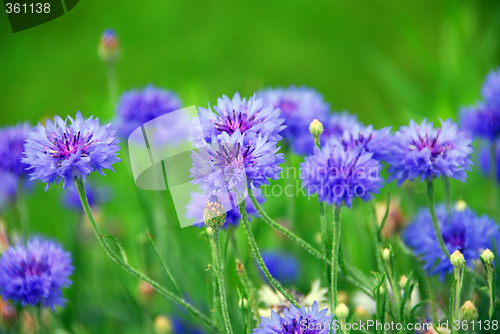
(386, 61)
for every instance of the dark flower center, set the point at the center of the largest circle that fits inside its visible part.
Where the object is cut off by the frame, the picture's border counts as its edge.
(231, 122)
(430, 143)
(68, 143)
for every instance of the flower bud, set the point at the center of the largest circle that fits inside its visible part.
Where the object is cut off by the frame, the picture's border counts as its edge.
(488, 256)
(316, 128)
(468, 311)
(457, 259)
(242, 303)
(386, 254)
(342, 311)
(214, 214)
(145, 290)
(403, 280)
(108, 47)
(362, 313)
(162, 325)
(460, 205)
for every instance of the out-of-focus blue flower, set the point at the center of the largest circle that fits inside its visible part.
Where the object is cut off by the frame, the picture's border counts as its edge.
(235, 162)
(12, 141)
(338, 175)
(181, 327)
(377, 142)
(481, 121)
(484, 159)
(8, 188)
(422, 151)
(34, 274)
(334, 126)
(108, 46)
(252, 118)
(299, 107)
(282, 266)
(461, 230)
(306, 320)
(491, 88)
(137, 107)
(195, 208)
(95, 196)
(62, 152)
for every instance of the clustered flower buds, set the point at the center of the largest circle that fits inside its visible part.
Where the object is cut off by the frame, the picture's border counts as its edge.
(457, 259)
(214, 215)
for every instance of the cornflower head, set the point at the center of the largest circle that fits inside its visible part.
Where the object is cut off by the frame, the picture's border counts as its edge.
(64, 152)
(12, 141)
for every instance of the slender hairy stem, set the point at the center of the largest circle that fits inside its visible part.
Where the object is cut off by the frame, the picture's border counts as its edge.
(220, 279)
(435, 223)
(258, 257)
(447, 193)
(37, 317)
(324, 237)
(192, 310)
(247, 286)
(112, 86)
(304, 244)
(337, 224)
(374, 231)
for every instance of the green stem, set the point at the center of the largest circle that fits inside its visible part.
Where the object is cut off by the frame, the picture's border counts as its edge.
(258, 257)
(432, 297)
(303, 243)
(447, 193)
(112, 86)
(247, 286)
(290, 200)
(337, 225)
(21, 207)
(220, 279)
(374, 231)
(489, 273)
(192, 310)
(37, 317)
(324, 237)
(435, 222)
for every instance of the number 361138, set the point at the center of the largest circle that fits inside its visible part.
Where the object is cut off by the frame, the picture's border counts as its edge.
(27, 8)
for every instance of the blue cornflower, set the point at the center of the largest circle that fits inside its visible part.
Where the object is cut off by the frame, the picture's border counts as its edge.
(95, 196)
(282, 266)
(196, 207)
(304, 321)
(481, 121)
(137, 107)
(491, 88)
(8, 188)
(299, 106)
(235, 162)
(334, 126)
(34, 273)
(251, 118)
(62, 152)
(377, 142)
(12, 141)
(422, 151)
(338, 174)
(461, 230)
(183, 327)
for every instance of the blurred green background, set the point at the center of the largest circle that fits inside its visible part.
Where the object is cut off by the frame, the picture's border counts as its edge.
(386, 61)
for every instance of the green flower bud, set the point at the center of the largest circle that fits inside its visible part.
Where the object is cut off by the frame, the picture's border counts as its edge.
(214, 214)
(316, 128)
(468, 311)
(403, 280)
(488, 256)
(162, 325)
(457, 259)
(342, 311)
(386, 254)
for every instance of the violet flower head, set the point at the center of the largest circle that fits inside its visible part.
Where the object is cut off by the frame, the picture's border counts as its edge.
(377, 142)
(195, 208)
(8, 188)
(461, 230)
(299, 106)
(491, 88)
(307, 320)
(333, 127)
(12, 141)
(484, 159)
(137, 107)
(283, 266)
(251, 118)
(422, 151)
(34, 274)
(339, 174)
(481, 121)
(235, 162)
(62, 152)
